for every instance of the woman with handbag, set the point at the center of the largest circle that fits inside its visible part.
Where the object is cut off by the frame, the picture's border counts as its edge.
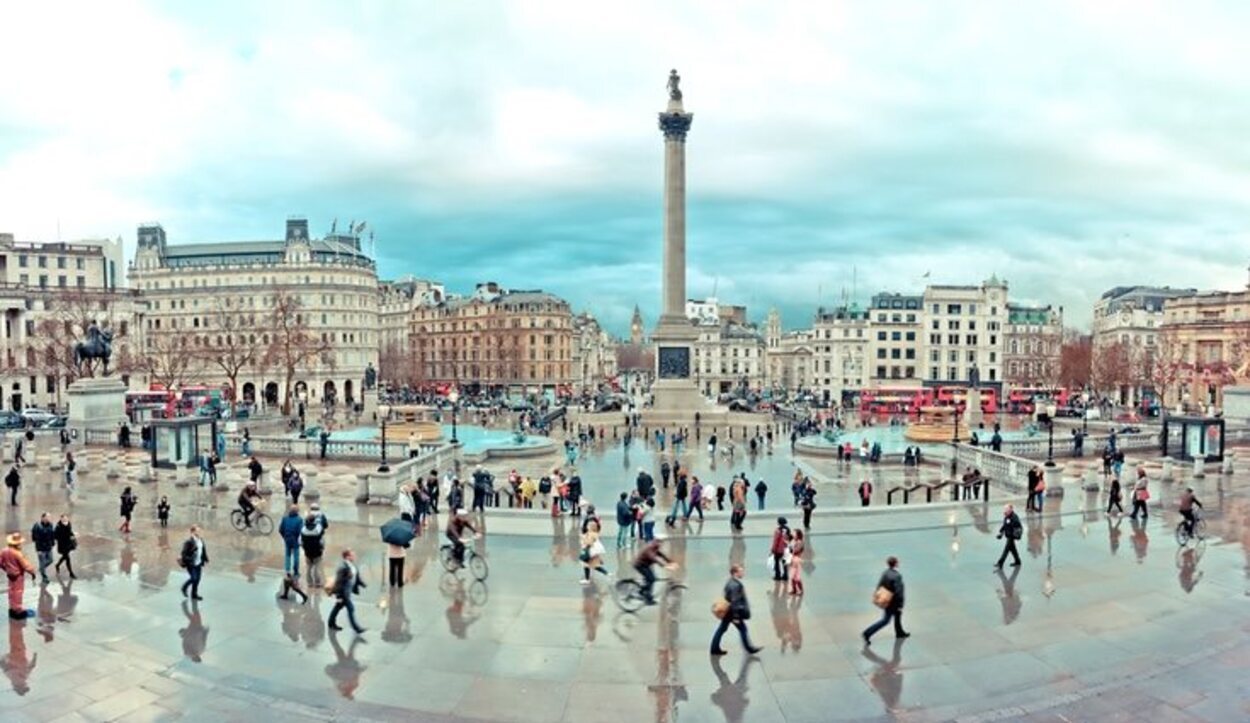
(66, 542)
(888, 597)
(592, 552)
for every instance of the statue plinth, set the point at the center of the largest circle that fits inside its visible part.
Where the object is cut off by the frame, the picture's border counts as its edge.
(96, 404)
(973, 416)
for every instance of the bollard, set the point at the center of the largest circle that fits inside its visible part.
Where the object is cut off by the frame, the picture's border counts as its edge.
(1091, 480)
(1227, 467)
(1167, 469)
(1200, 467)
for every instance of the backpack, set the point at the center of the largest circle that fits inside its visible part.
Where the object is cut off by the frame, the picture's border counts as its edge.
(544, 486)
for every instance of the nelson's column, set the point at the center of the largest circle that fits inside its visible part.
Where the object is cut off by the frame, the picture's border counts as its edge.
(675, 393)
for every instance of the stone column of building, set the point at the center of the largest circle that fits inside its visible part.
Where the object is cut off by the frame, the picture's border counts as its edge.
(675, 390)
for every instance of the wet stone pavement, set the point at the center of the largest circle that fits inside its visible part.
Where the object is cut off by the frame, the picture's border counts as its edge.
(1106, 620)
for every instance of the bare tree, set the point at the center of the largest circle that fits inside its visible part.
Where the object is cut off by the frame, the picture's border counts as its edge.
(399, 367)
(169, 357)
(1111, 367)
(1075, 358)
(292, 345)
(229, 345)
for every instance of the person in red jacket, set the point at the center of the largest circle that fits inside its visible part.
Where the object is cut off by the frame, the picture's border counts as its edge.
(16, 567)
(781, 543)
(865, 493)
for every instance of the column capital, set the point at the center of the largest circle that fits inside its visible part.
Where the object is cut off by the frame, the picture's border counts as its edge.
(675, 124)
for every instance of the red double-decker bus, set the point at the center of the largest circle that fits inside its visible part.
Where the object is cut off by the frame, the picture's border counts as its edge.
(1027, 400)
(957, 397)
(895, 400)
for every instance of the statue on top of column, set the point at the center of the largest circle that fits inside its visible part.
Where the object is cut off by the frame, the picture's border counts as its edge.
(674, 80)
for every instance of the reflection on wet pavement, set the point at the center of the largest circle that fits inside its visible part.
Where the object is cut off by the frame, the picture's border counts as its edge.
(1079, 625)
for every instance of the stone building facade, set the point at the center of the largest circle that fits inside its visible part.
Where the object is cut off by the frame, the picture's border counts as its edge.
(1033, 337)
(518, 342)
(51, 292)
(205, 298)
(1203, 346)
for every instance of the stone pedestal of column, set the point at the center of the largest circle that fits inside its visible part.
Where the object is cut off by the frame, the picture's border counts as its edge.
(1092, 481)
(1200, 468)
(1167, 469)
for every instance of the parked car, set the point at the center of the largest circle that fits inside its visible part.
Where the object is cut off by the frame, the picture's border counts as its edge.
(57, 422)
(37, 416)
(11, 420)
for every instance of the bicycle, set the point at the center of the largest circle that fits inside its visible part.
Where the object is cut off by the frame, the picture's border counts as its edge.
(1184, 535)
(473, 561)
(262, 524)
(629, 597)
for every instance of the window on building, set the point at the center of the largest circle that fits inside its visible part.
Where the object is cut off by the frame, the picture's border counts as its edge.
(24, 278)
(993, 374)
(43, 262)
(911, 354)
(43, 281)
(896, 336)
(951, 373)
(911, 336)
(881, 372)
(23, 260)
(80, 263)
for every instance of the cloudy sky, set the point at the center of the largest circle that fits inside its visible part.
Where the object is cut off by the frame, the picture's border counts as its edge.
(1066, 146)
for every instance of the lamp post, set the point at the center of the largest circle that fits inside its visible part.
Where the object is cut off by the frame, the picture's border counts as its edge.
(1050, 426)
(1084, 413)
(300, 399)
(453, 397)
(384, 410)
(955, 444)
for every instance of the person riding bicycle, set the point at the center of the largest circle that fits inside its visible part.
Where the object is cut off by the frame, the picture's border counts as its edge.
(246, 496)
(1188, 500)
(648, 556)
(455, 529)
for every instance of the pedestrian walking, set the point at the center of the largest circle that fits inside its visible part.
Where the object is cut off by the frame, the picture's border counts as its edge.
(807, 502)
(66, 543)
(797, 547)
(624, 520)
(720, 498)
(193, 557)
(761, 489)
(733, 609)
(16, 567)
(290, 584)
(13, 480)
(162, 511)
(347, 583)
(296, 488)
(780, 544)
(1013, 530)
(394, 565)
(865, 493)
(254, 470)
(1114, 496)
(681, 491)
(71, 476)
(43, 534)
(665, 471)
(648, 519)
(291, 529)
(889, 596)
(127, 503)
(1141, 495)
(312, 537)
(592, 552)
(696, 499)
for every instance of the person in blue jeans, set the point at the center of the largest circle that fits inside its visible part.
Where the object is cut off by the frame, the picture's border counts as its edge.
(624, 520)
(291, 529)
(680, 493)
(891, 580)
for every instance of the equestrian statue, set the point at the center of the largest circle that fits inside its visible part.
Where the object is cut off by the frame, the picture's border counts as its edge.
(98, 345)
